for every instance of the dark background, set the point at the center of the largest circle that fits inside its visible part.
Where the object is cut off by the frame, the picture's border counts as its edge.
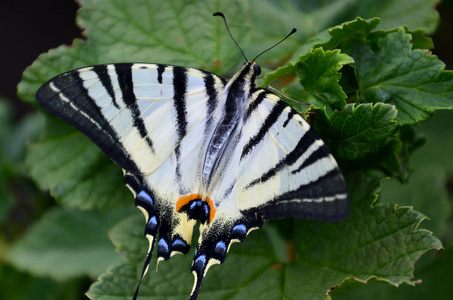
(29, 28)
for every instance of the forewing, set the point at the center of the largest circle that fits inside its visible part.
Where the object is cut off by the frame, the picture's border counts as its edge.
(129, 110)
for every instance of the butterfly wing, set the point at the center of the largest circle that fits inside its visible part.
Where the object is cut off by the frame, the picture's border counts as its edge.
(275, 167)
(136, 113)
(285, 169)
(151, 120)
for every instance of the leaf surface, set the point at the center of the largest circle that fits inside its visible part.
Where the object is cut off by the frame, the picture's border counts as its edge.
(67, 243)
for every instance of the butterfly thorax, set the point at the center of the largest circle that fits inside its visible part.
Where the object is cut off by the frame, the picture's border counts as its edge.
(237, 92)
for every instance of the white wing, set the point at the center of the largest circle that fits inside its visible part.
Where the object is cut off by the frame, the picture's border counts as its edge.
(285, 169)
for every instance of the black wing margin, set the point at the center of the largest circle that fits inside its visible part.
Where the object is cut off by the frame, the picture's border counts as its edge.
(67, 97)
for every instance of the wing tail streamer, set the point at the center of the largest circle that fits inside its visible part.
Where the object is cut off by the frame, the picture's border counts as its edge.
(214, 244)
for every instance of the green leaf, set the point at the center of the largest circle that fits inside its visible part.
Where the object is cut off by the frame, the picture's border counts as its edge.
(384, 250)
(68, 243)
(312, 17)
(154, 31)
(346, 35)
(289, 70)
(359, 130)
(387, 246)
(75, 171)
(20, 286)
(432, 167)
(419, 40)
(426, 191)
(436, 273)
(19, 136)
(424, 183)
(413, 80)
(319, 75)
(14, 138)
(388, 70)
(128, 241)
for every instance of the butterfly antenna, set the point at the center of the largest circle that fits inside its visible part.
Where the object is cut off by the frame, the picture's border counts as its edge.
(226, 25)
(292, 31)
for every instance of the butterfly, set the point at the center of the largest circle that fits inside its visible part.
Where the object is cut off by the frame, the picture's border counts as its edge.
(195, 147)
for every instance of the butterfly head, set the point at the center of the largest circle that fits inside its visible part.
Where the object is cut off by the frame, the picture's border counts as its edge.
(256, 68)
(252, 67)
(247, 76)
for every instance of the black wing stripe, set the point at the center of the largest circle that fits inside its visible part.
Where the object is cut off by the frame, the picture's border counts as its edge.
(160, 71)
(323, 187)
(102, 73)
(304, 143)
(212, 103)
(180, 90)
(270, 120)
(290, 117)
(126, 84)
(316, 155)
(255, 104)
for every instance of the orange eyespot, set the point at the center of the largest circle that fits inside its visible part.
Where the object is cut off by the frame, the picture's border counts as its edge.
(184, 203)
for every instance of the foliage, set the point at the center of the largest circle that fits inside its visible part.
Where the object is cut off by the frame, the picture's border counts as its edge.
(368, 82)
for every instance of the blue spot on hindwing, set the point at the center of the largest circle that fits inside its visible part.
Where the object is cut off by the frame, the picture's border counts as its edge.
(180, 245)
(200, 263)
(240, 228)
(145, 196)
(220, 249)
(152, 225)
(239, 232)
(162, 247)
(178, 242)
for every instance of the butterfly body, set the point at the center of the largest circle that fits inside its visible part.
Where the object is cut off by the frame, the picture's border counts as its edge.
(195, 147)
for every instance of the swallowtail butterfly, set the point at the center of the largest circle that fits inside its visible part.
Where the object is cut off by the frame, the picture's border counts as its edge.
(197, 147)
